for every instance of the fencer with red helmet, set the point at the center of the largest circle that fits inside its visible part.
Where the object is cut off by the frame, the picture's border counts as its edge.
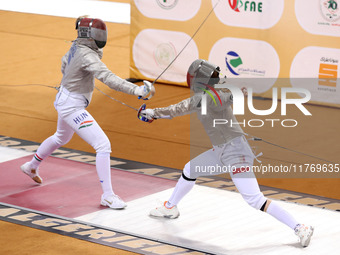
(81, 65)
(92, 28)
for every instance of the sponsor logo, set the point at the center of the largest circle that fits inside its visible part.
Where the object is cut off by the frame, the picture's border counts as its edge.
(328, 74)
(247, 62)
(167, 4)
(323, 19)
(317, 69)
(258, 14)
(247, 6)
(164, 54)
(232, 61)
(330, 10)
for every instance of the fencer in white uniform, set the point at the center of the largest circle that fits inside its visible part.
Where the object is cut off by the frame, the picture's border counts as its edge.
(230, 151)
(81, 65)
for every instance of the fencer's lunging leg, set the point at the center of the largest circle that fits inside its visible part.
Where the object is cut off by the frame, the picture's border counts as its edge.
(169, 208)
(183, 187)
(248, 187)
(61, 137)
(63, 134)
(280, 214)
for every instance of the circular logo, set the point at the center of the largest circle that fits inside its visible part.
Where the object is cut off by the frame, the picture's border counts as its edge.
(330, 9)
(164, 54)
(167, 4)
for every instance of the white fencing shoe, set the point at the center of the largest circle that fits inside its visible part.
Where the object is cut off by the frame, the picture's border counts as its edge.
(304, 233)
(163, 211)
(33, 173)
(113, 201)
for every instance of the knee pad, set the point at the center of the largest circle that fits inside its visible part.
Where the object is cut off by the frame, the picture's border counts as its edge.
(255, 200)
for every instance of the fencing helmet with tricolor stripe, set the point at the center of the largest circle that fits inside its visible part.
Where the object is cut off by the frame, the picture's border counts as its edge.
(92, 28)
(202, 73)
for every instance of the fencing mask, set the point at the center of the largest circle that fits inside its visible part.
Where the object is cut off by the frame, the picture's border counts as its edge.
(92, 28)
(201, 73)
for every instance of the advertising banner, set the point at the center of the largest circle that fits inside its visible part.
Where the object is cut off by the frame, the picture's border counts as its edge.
(298, 41)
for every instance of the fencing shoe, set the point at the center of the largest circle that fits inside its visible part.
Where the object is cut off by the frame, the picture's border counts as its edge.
(33, 173)
(304, 233)
(113, 201)
(163, 211)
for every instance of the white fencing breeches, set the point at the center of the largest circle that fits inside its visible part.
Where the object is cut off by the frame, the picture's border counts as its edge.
(235, 158)
(73, 118)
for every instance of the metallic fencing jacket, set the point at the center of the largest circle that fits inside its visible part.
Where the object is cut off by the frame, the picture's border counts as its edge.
(82, 64)
(219, 121)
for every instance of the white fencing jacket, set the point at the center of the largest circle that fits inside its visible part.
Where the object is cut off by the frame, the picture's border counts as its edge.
(82, 64)
(219, 134)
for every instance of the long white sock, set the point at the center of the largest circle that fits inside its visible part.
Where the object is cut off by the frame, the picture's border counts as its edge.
(282, 215)
(182, 188)
(45, 149)
(104, 172)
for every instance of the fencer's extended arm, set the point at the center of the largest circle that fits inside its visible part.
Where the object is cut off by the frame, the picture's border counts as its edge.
(100, 71)
(184, 107)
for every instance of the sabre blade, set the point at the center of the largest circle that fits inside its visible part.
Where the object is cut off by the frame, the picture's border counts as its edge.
(117, 100)
(191, 38)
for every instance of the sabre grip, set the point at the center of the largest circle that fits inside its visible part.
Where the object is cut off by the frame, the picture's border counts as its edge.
(142, 118)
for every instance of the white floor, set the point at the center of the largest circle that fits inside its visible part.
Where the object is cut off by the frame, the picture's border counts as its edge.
(217, 221)
(220, 222)
(7, 154)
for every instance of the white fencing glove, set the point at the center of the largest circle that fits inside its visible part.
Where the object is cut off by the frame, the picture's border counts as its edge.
(148, 113)
(144, 90)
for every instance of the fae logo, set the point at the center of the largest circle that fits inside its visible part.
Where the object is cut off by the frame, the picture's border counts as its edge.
(251, 6)
(232, 61)
(234, 4)
(258, 14)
